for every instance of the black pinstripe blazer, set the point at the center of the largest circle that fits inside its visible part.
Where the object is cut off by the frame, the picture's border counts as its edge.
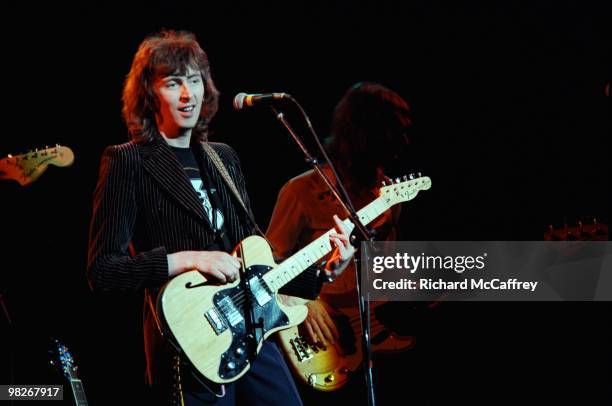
(144, 198)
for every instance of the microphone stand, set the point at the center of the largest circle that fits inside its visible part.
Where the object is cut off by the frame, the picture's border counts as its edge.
(360, 233)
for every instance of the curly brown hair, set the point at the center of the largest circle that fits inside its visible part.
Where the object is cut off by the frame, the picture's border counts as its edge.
(164, 53)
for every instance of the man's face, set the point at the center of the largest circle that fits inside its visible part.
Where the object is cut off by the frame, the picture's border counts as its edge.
(180, 102)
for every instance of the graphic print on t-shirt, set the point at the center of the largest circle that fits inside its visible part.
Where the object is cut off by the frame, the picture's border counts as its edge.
(205, 193)
(217, 219)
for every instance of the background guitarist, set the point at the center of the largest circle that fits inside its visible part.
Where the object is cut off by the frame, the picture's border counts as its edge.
(161, 208)
(368, 135)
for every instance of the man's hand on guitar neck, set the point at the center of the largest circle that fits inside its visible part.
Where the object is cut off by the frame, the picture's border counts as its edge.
(217, 264)
(319, 325)
(344, 249)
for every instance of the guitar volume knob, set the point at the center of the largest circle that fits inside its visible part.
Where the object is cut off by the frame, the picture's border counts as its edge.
(312, 379)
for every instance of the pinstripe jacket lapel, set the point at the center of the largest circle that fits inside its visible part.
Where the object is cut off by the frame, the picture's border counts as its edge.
(164, 167)
(231, 207)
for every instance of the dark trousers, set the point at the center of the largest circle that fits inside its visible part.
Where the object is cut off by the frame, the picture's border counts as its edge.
(267, 383)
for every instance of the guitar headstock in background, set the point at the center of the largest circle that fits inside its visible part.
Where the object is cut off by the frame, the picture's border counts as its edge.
(404, 189)
(583, 228)
(26, 168)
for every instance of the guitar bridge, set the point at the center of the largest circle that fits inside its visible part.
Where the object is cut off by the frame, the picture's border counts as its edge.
(302, 348)
(216, 321)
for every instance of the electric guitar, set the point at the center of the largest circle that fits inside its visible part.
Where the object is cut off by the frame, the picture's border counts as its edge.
(583, 228)
(219, 328)
(26, 168)
(62, 359)
(328, 368)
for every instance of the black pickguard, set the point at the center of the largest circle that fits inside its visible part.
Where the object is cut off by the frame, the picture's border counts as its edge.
(237, 357)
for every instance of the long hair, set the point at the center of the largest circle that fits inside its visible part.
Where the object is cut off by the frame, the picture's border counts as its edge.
(165, 53)
(368, 131)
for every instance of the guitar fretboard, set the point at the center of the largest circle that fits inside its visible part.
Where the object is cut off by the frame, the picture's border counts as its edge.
(79, 392)
(318, 248)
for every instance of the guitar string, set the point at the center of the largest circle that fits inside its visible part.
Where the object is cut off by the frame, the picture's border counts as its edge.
(239, 297)
(354, 321)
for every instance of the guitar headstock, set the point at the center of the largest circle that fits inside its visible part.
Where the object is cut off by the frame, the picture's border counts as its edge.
(405, 188)
(63, 360)
(26, 168)
(583, 228)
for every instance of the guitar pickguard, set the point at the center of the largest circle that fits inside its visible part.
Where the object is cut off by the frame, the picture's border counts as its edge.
(231, 307)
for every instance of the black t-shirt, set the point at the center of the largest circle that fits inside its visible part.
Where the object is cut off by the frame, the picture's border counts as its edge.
(205, 189)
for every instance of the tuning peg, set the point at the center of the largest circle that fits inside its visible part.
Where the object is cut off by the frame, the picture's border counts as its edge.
(582, 232)
(419, 174)
(411, 176)
(384, 183)
(397, 180)
(598, 228)
(404, 178)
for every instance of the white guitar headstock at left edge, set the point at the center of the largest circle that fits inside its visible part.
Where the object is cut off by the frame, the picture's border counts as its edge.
(405, 188)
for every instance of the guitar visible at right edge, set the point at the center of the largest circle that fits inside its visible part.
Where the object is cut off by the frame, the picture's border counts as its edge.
(582, 228)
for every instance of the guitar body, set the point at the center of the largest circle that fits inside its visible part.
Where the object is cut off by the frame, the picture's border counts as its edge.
(328, 368)
(209, 321)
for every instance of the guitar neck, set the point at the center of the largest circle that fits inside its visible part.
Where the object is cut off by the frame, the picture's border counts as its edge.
(317, 249)
(79, 392)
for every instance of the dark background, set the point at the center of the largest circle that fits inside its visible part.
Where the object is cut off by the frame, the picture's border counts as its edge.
(510, 120)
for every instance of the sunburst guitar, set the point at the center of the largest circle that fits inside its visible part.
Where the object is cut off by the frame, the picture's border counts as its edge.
(328, 368)
(217, 329)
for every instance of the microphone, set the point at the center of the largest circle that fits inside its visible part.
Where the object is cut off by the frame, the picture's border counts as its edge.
(242, 100)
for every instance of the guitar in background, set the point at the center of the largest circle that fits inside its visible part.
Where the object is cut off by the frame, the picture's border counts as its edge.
(26, 168)
(328, 368)
(62, 359)
(583, 228)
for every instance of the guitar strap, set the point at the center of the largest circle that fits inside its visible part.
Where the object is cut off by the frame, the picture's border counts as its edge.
(216, 160)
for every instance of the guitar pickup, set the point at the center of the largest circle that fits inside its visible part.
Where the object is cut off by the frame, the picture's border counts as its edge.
(229, 310)
(216, 321)
(259, 290)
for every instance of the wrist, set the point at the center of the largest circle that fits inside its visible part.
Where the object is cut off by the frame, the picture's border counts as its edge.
(179, 262)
